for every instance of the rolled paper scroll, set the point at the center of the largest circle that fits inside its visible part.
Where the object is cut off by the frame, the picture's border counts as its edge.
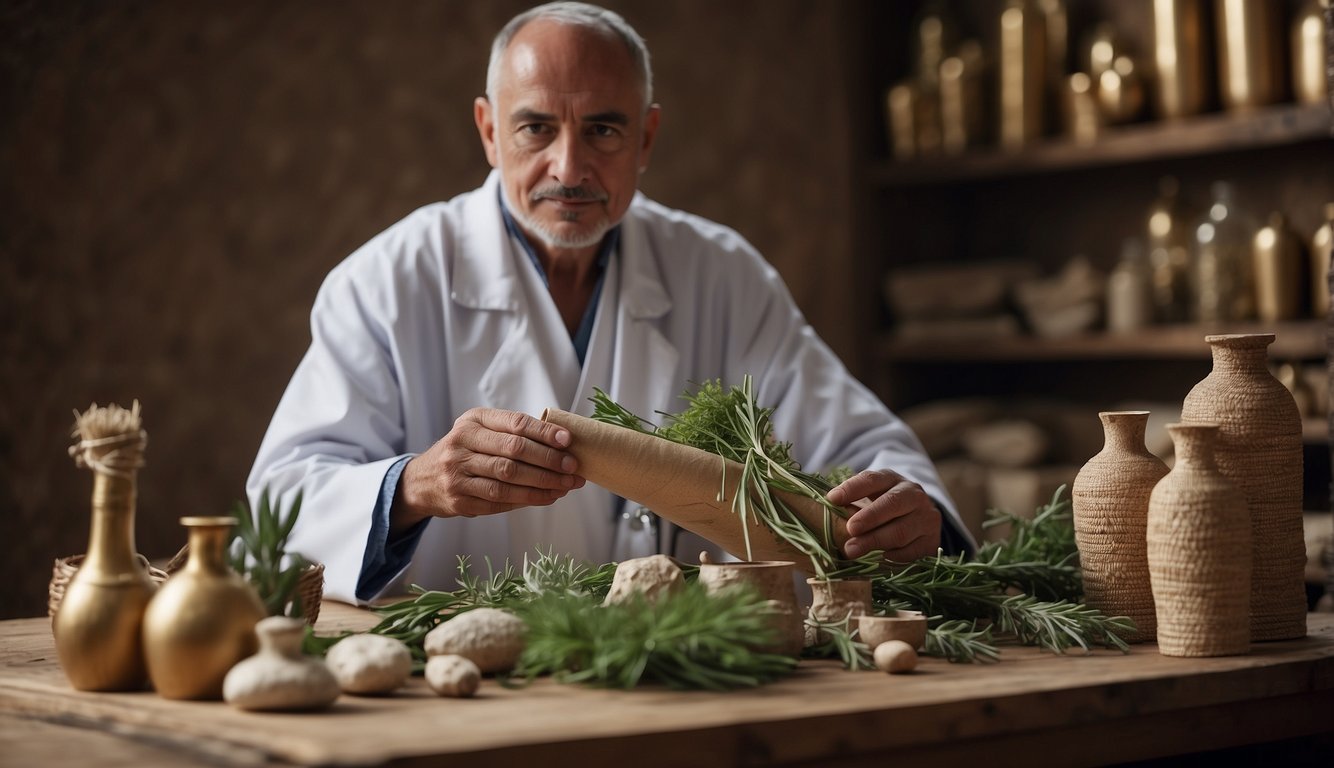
(692, 488)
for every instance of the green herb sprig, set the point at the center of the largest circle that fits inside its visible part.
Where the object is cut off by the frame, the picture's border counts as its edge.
(689, 639)
(257, 550)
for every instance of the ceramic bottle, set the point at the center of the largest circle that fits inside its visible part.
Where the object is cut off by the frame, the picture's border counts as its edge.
(1260, 450)
(1199, 552)
(1111, 506)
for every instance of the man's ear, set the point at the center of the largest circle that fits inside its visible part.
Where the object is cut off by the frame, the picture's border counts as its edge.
(485, 117)
(651, 120)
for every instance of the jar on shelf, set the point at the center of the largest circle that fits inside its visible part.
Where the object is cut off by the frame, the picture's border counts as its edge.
(1310, 76)
(1322, 243)
(1130, 290)
(1280, 272)
(1224, 280)
(1169, 253)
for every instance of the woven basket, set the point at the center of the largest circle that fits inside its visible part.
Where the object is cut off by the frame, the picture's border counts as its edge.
(64, 569)
(310, 586)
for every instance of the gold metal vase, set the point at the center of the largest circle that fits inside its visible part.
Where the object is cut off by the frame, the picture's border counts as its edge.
(97, 627)
(202, 621)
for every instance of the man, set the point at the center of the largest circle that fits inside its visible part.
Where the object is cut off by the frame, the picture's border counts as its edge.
(407, 423)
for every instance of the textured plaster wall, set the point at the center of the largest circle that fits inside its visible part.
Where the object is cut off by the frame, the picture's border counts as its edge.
(176, 179)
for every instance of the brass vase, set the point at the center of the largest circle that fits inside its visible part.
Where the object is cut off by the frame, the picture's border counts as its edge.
(202, 621)
(1111, 507)
(97, 627)
(1250, 62)
(1199, 552)
(1260, 450)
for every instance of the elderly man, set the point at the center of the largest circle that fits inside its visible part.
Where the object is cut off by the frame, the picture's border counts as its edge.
(406, 424)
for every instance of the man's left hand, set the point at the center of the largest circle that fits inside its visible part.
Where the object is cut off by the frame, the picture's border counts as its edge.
(900, 518)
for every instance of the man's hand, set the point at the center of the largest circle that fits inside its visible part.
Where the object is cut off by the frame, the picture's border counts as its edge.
(491, 461)
(900, 519)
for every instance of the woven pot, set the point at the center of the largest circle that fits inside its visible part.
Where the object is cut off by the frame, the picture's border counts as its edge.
(1111, 507)
(772, 580)
(1199, 551)
(1260, 449)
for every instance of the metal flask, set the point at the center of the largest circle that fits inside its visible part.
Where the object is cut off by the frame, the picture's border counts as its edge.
(1309, 63)
(1250, 67)
(1023, 66)
(1179, 58)
(1322, 244)
(1279, 271)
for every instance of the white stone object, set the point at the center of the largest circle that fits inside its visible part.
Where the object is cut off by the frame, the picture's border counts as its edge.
(653, 577)
(895, 657)
(488, 637)
(454, 676)
(369, 665)
(279, 678)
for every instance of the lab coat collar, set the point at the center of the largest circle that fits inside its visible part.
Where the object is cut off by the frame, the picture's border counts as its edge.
(484, 278)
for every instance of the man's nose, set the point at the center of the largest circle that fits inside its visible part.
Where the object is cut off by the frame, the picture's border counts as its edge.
(569, 160)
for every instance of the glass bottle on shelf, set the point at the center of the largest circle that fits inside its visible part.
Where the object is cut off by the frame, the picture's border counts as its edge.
(1224, 279)
(1169, 254)
(1130, 290)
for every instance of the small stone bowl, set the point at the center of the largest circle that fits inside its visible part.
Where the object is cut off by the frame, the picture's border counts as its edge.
(908, 626)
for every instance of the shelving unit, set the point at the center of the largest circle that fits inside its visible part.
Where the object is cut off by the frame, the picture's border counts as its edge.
(1057, 199)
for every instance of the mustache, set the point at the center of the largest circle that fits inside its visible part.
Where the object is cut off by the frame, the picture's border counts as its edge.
(561, 192)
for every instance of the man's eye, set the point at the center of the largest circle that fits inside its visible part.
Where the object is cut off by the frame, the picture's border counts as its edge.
(533, 129)
(603, 131)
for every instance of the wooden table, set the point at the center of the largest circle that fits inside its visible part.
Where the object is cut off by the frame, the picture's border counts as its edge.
(1031, 708)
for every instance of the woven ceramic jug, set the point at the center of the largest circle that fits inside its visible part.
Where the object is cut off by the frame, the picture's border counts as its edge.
(1111, 507)
(1199, 551)
(1260, 449)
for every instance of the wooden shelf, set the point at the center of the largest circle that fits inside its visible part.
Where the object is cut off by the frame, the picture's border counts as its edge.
(1301, 340)
(1205, 134)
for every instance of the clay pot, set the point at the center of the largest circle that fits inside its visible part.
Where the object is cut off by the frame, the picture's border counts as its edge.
(202, 621)
(279, 678)
(1111, 507)
(1260, 450)
(838, 600)
(907, 626)
(1199, 550)
(772, 580)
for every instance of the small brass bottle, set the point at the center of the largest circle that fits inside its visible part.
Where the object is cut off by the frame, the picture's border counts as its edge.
(98, 625)
(1179, 50)
(1023, 74)
(1250, 64)
(1280, 274)
(1309, 63)
(202, 621)
(1321, 246)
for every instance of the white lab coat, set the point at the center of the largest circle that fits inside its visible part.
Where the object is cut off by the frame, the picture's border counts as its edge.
(443, 312)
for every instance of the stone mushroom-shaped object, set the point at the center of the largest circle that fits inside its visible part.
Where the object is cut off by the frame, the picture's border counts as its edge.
(488, 637)
(451, 675)
(279, 677)
(653, 577)
(895, 657)
(369, 665)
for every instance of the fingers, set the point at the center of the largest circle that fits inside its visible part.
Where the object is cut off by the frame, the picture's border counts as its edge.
(491, 461)
(867, 484)
(901, 519)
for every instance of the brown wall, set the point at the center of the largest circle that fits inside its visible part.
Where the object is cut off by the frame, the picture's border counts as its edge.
(176, 179)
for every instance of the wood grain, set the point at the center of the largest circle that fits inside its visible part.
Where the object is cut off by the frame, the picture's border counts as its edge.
(1069, 703)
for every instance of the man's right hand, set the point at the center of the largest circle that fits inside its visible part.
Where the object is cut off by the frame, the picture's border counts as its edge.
(491, 461)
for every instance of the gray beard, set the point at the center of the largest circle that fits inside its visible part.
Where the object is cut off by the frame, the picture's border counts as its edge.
(554, 239)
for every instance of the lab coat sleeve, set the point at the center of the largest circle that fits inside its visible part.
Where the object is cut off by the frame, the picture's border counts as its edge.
(831, 418)
(337, 430)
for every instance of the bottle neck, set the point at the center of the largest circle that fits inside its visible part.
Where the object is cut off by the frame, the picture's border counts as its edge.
(1124, 432)
(208, 544)
(111, 537)
(1194, 446)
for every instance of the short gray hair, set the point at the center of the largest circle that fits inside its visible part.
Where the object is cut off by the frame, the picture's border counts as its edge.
(579, 14)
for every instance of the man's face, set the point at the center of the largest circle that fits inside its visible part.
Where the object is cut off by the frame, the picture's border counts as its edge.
(568, 132)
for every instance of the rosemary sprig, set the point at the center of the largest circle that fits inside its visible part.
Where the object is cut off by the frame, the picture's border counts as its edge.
(1039, 556)
(689, 639)
(841, 642)
(961, 641)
